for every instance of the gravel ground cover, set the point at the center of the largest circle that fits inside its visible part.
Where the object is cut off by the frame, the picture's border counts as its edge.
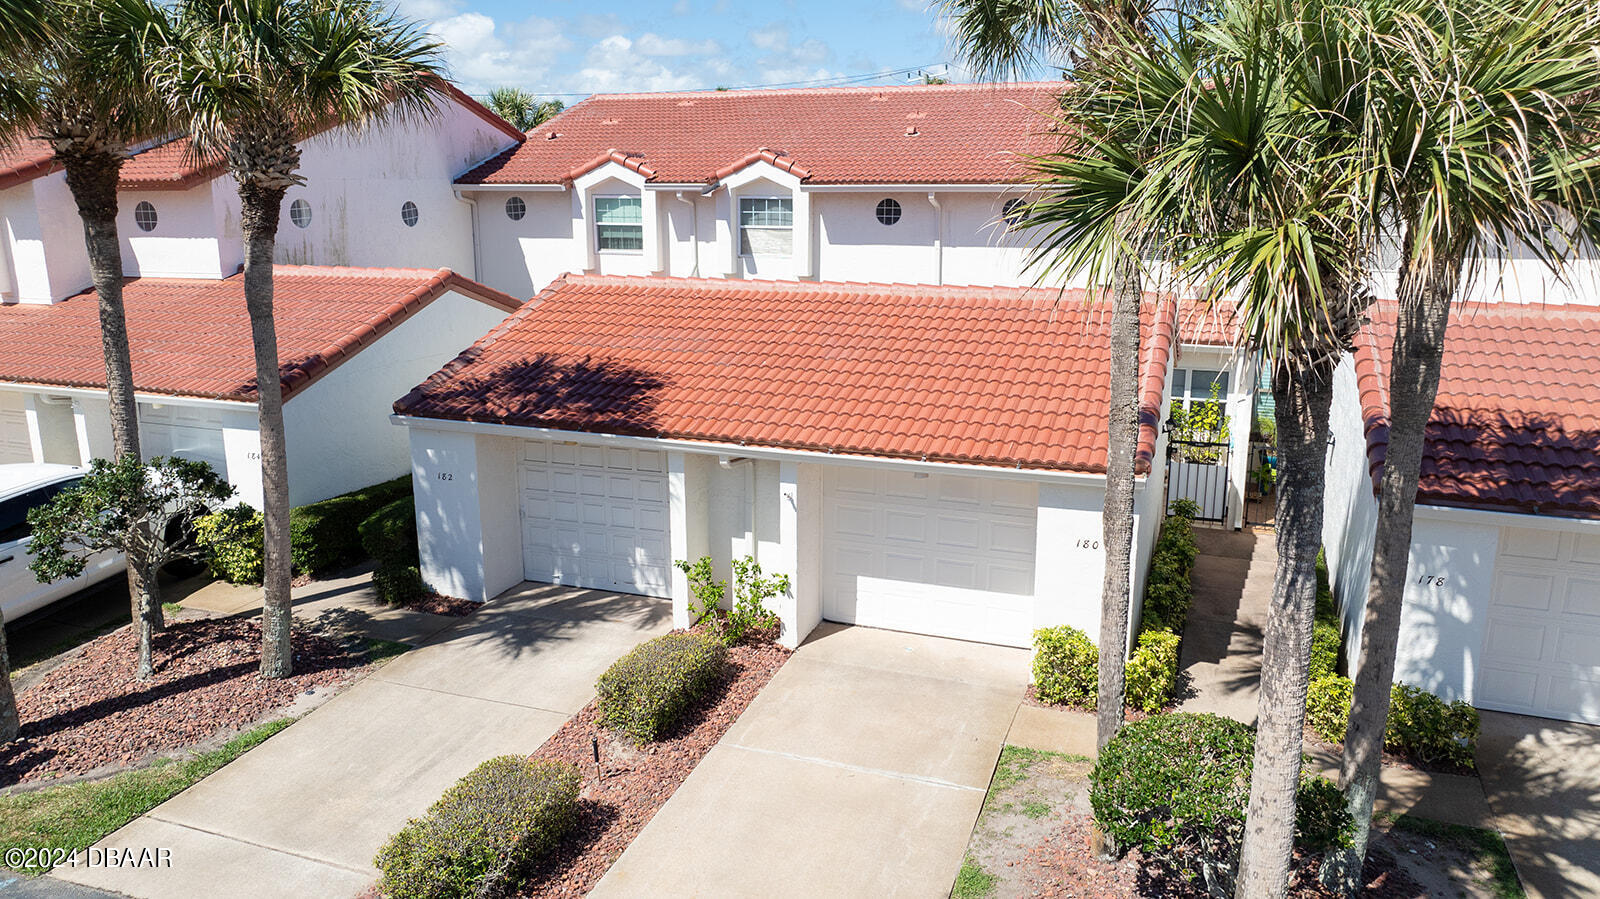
(91, 715)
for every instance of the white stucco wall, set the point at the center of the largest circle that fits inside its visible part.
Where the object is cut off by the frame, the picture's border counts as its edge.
(338, 429)
(1442, 623)
(1070, 560)
(469, 538)
(194, 236)
(45, 259)
(1350, 510)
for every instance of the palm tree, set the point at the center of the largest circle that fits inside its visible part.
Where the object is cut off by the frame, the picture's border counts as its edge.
(521, 108)
(1489, 124)
(252, 77)
(1000, 38)
(1217, 144)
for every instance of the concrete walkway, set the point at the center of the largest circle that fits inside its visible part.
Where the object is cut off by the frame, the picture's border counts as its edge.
(1221, 654)
(1543, 782)
(858, 771)
(304, 813)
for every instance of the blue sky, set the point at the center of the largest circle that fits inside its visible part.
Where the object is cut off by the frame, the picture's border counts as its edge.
(570, 48)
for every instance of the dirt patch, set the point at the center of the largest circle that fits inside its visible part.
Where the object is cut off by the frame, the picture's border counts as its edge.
(439, 604)
(1391, 759)
(90, 714)
(1032, 839)
(638, 780)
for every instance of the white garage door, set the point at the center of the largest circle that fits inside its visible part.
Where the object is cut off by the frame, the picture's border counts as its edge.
(187, 432)
(14, 445)
(934, 554)
(595, 517)
(1541, 647)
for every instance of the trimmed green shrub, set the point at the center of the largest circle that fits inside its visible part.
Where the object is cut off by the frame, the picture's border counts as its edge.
(1327, 609)
(1169, 591)
(1177, 786)
(644, 693)
(390, 534)
(1325, 640)
(1065, 667)
(325, 535)
(1321, 819)
(749, 618)
(232, 539)
(1429, 729)
(481, 836)
(1152, 673)
(1421, 725)
(1184, 508)
(399, 586)
(1328, 706)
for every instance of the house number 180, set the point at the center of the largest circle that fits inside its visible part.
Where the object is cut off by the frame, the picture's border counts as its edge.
(1087, 543)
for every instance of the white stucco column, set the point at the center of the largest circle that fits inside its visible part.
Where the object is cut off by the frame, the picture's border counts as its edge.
(30, 410)
(241, 448)
(678, 535)
(786, 560)
(730, 260)
(1069, 560)
(655, 233)
(805, 244)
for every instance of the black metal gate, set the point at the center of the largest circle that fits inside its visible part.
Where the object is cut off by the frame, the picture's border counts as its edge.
(1197, 471)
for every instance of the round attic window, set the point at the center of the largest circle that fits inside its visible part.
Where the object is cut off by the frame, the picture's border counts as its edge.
(300, 213)
(144, 215)
(1012, 212)
(409, 214)
(888, 211)
(516, 208)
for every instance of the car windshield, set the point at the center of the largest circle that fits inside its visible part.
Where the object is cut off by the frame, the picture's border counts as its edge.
(14, 511)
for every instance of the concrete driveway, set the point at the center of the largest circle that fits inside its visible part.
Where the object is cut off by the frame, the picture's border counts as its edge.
(304, 813)
(858, 771)
(1542, 779)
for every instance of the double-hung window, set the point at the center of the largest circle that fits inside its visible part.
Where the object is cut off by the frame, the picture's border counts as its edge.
(619, 224)
(766, 226)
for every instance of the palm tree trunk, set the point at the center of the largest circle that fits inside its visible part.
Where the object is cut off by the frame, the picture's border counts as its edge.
(92, 169)
(149, 612)
(260, 207)
(1414, 369)
(1304, 394)
(1117, 513)
(9, 724)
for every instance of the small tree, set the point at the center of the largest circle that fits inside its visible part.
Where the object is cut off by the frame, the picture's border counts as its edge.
(145, 511)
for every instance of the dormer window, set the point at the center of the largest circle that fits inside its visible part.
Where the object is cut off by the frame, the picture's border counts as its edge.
(619, 224)
(766, 226)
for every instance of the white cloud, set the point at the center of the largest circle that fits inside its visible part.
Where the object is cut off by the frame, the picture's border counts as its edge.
(772, 37)
(681, 8)
(484, 54)
(656, 45)
(615, 64)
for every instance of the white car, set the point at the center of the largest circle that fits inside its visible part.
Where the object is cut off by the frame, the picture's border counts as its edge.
(24, 486)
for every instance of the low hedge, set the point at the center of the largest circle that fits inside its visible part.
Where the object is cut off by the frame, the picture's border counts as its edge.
(326, 535)
(399, 586)
(483, 833)
(390, 533)
(1325, 643)
(1177, 787)
(1066, 667)
(232, 539)
(1152, 673)
(1169, 591)
(1420, 725)
(646, 692)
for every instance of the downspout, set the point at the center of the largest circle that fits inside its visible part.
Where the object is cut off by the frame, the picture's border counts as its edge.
(694, 232)
(938, 238)
(477, 255)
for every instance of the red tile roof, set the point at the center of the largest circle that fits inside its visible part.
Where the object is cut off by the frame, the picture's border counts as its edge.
(1516, 425)
(191, 337)
(942, 134)
(992, 376)
(172, 164)
(1208, 324)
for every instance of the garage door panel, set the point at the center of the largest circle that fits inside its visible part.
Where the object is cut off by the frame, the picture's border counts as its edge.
(601, 522)
(1582, 597)
(1541, 646)
(946, 555)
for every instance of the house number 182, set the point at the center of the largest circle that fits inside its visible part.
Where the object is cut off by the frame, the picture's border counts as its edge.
(445, 476)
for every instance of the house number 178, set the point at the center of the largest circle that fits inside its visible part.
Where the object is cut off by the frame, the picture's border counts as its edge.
(1431, 580)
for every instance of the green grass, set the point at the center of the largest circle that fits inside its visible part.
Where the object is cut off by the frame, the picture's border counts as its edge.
(1486, 846)
(973, 882)
(1035, 809)
(383, 650)
(172, 608)
(76, 816)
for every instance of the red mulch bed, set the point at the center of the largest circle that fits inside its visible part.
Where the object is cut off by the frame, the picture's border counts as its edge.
(638, 779)
(439, 604)
(1062, 867)
(91, 712)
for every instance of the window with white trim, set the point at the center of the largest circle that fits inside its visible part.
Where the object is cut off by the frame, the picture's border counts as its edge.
(766, 226)
(144, 215)
(619, 224)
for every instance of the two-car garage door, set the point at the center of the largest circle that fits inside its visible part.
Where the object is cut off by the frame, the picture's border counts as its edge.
(947, 555)
(1541, 648)
(595, 517)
